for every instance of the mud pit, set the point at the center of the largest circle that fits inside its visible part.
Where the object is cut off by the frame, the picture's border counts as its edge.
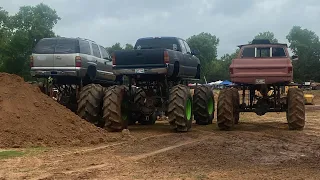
(258, 148)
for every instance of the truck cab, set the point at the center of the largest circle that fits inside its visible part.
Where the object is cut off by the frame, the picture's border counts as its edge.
(262, 62)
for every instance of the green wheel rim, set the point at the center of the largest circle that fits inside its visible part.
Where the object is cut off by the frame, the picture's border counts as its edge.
(210, 106)
(188, 109)
(124, 109)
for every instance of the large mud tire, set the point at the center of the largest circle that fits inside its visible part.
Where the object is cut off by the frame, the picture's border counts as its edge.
(115, 109)
(225, 115)
(139, 95)
(296, 109)
(139, 99)
(180, 108)
(203, 105)
(90, 104)
(236, 103)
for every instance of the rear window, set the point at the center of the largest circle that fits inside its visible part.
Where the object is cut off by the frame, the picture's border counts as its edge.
(67, 46)
(248, 52)
(263, 52)
(278, 52)
(154, 43)
(45, 46)
(57, 46)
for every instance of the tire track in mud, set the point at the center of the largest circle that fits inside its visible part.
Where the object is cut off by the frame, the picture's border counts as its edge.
(121, 158)
(89, 150)
(146, 155)
(128, 159)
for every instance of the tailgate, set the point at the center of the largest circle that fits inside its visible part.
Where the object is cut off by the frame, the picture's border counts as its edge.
(43, 53)
(43, 60)
(65, 52)
(141, 58)
(261, 67)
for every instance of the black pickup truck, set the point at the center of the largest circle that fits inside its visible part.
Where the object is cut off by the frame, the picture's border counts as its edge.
(170, 56)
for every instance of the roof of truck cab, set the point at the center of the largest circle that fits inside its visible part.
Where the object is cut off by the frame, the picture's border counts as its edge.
(70, 38)
(271, 44)
(164, 37)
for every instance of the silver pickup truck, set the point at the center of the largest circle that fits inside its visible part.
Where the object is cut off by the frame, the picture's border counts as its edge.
(71, 59)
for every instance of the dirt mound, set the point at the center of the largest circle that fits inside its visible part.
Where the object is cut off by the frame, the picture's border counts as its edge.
(30, 118)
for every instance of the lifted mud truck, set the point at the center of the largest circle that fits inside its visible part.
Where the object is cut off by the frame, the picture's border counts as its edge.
(160, 69)
(264, 69)
(68, 64)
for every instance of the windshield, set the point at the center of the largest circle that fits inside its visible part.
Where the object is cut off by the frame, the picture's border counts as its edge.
(263, 52)
(154, 43)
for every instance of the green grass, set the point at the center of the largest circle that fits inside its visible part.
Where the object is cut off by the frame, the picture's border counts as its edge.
(6, 154)
(10, 154)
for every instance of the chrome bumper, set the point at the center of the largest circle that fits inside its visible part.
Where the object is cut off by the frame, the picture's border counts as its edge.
(51, 71)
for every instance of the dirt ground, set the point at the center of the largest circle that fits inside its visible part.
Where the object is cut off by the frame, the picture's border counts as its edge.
(29, 118)
(258, 148)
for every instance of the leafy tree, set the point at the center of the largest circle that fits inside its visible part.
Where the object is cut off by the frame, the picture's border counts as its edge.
(305, 43)
(27, 27)
(4, 35)
(207, 45)
(128, 47)
(266, 35)
(115, 47)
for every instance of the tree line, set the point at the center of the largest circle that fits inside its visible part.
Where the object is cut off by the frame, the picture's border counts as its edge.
(20, 32)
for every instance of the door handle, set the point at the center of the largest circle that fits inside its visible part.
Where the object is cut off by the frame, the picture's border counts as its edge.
(58, 57)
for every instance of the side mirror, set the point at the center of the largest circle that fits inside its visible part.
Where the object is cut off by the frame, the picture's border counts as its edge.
(294, 58)
(195, 52)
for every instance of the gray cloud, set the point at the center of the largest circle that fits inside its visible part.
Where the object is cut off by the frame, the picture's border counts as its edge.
(233, 21)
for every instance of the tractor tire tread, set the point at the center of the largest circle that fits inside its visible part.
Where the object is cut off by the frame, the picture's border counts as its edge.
(296, 109)
(90, 103)
(112, 100)
(225, 116)
(200, 105)
(179, 94)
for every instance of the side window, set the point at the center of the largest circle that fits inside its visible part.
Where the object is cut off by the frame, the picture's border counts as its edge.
(84, 47)
(104, 52)
(183, 48)
(96, 51)
(187, 47)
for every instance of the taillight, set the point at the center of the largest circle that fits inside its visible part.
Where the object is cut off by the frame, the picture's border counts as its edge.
(113, 59)
(78, 61)
(231, 70)
(289, 69)
(166, 57)
(31, 61)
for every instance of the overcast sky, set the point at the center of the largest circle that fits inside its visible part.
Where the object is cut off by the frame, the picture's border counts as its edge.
(234, 22)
